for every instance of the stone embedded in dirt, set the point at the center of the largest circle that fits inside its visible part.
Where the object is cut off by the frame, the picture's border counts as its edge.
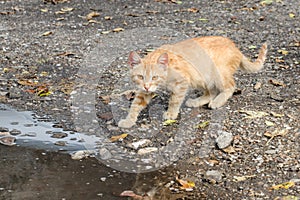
(59, 135)
(224, 139)
(213, 176)
(30, 134)
(104, 154)
(61, 143)
(8, 140)
(106, 116)
(3, 129)
(147, 150)
(15, 132)
(82, 154)
(139, 144)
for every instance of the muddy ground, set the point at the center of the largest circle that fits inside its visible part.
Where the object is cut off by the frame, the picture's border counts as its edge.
(45, 51)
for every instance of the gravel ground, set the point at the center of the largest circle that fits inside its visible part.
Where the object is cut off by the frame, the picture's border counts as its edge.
(52, 49)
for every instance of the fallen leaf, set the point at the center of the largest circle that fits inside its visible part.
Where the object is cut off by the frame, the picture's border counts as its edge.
(242, 178)
(186, 184)
(276, 114)
(275, 133)
(203, 125)
(292, 15)
(118, 137)
(252, 47)
(193, 10)
(108, 17)
(44, 10)
(269, 123)
(169, 122)
(67, 9)
(283, 51)
(266, 2)
(257, 85)
(47, 33)
(128, 193)
(105, 32)
(92, 15)
(65, 54)
(229, 149)
(277, 82)
(118, 29)
(285, 185)
(105, 99)
(43, 91)
(27, 83)
(203, 19)
(253, 114)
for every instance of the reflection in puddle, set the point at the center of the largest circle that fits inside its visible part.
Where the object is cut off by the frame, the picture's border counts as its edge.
(40, 132)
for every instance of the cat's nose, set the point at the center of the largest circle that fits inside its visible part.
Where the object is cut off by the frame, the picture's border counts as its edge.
(147, 86)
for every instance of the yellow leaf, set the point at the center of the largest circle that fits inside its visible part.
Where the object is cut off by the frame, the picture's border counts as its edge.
(253, 114)
(186, 184)
(67, 9)
(285, 185)
(292, 15)
(269, 123)
(242, 178)
(276, 114)
(169, 122)
(44, 10)
(282, 51)
(47, 33)
(252, 47)
(105, 32)
(118, 137)
(44, 93)
(92, 14)
(203, 125)
(118, 29)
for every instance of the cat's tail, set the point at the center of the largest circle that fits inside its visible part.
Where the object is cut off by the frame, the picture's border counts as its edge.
(248, 66)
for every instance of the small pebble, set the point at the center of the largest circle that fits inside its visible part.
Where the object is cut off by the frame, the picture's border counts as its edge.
(104, 154)
(224, 139)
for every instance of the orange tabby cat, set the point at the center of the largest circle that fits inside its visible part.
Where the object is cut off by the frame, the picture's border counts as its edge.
(206, 63)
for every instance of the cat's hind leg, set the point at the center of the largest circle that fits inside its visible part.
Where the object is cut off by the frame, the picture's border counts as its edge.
(221, 98)
(200, 101)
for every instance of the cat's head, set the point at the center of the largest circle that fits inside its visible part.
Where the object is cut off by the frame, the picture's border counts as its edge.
(148, 74)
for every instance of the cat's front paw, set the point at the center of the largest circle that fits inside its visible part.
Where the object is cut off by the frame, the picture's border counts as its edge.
(170, 115)
(126, 123)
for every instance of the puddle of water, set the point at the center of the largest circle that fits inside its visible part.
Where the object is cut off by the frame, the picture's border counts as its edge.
(39, 132)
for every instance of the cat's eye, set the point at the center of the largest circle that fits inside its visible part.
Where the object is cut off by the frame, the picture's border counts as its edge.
(141, 77)
(154, 78)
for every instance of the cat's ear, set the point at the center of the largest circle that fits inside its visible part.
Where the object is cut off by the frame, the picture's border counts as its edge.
(163, 60)
(134, 59)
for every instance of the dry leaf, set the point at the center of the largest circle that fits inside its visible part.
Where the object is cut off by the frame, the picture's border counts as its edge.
(242, 178)
(105, 32)
(283, 51)
(67, 9)
(275, 133)
(203, 125)
(269, 123)
(47, 33)
(118, 29)
(169, 122)
(118, 137)
(65, 54)
(27, 83)
(131, 194)
(229, 149)
(276, 114)
(253, 114)
(277, 82)
(108, 17)
(185, 184)
(91, 15)
(285, 185)
(193, 10)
